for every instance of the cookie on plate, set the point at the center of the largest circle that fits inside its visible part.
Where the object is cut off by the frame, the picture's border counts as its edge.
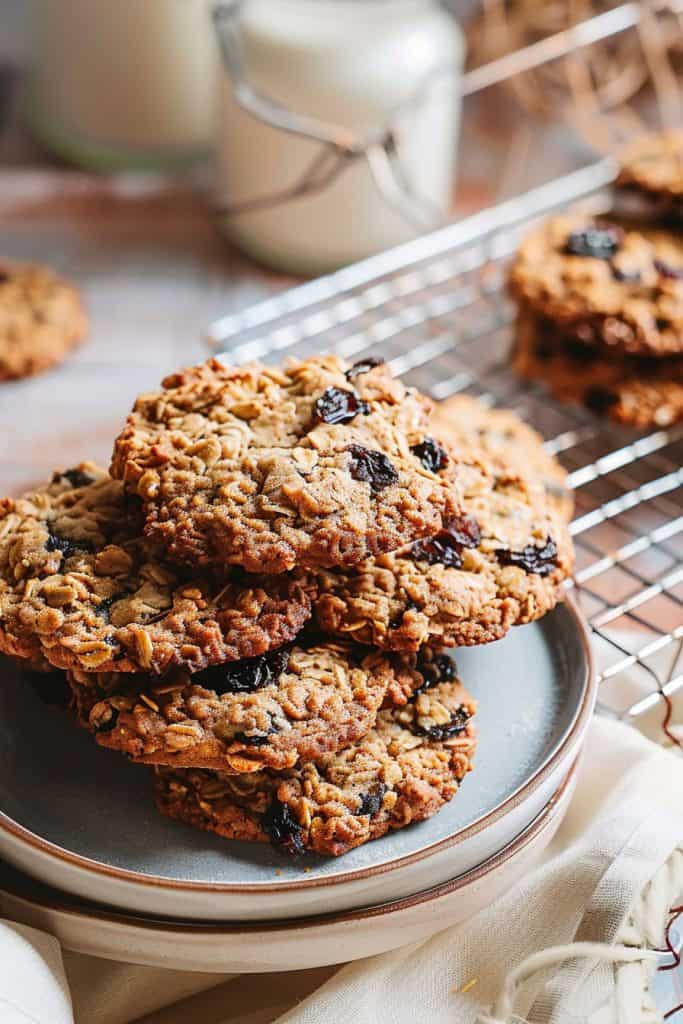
(41, 320)
(402, 771)
(319, 463)
(498, 565)
(652, 168)
(80, 586)
(617, 288)
(300, 702)
(500, 435)
(637, 392)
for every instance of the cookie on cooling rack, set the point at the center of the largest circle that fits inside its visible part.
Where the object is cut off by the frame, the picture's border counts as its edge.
(41, 320)
(80, 587)
(319, 463)
(607, 285)
(499, 564)
(403, 770)
(501, 436)
(302, 701)
(652, 168)
(637, 392)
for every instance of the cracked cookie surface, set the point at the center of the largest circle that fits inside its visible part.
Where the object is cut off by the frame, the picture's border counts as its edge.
(404, 770)
(611, 286)
(500, 435)
(269, 468)
(498, 565)
(41, 320)
(81, 587)
(299, 702)
(637, 392)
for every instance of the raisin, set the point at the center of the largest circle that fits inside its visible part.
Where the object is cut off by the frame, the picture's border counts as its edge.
(544, 350)
(253, 740)
(600, 399)
(68, 548)
(52, 688)
(431, 454)
(447, 547)
(110, 724)
(628, 276)
(579, 352)
(370, 803)
(667, 270)
(245, 676)
(457, 724)
(539, 560)
(338, 406)
(371, 467)
(76, 477)
(103, 608)
(600, 243)
(282, 829)
(439, 669)
(397, 622)
(363, 366)
(464, 530)
(437, 551)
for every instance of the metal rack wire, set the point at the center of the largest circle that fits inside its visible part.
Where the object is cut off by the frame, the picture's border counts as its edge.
(436, 309)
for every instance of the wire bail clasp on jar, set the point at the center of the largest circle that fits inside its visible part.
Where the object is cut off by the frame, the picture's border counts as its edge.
(339, 147)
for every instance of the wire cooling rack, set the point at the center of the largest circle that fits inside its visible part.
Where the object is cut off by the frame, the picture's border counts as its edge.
(437, 310)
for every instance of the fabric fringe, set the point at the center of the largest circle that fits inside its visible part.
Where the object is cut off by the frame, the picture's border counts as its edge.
(633, 954)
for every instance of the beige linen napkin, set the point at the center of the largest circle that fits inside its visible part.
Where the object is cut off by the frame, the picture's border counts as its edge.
(33, 985)
(568, 944)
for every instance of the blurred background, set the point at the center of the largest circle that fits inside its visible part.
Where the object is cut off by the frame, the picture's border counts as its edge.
(123, 166)
(566, 112)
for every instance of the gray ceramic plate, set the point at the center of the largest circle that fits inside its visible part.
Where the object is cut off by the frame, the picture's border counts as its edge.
(283, 945)
(83, 819)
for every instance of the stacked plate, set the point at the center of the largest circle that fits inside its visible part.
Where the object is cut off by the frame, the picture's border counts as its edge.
(117, 880)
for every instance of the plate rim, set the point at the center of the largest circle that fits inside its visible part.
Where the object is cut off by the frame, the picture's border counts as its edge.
(69, 905)
(95, 868)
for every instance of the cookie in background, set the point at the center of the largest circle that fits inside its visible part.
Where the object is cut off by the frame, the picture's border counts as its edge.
(41, 320)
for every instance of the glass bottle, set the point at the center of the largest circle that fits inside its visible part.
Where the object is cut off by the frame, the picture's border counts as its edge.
(365, 66)
(124, 83)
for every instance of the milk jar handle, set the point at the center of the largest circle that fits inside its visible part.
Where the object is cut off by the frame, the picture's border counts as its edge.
(226, 21)
(339, 145)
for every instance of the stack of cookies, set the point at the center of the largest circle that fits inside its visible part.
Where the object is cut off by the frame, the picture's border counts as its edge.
(601, 300)
(257, 600)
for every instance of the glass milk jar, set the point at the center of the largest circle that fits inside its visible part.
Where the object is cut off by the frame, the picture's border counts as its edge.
(124, 83)
(382, 70)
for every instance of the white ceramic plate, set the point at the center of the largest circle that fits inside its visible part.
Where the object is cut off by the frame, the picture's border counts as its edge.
(80, 818)
(287, 945)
